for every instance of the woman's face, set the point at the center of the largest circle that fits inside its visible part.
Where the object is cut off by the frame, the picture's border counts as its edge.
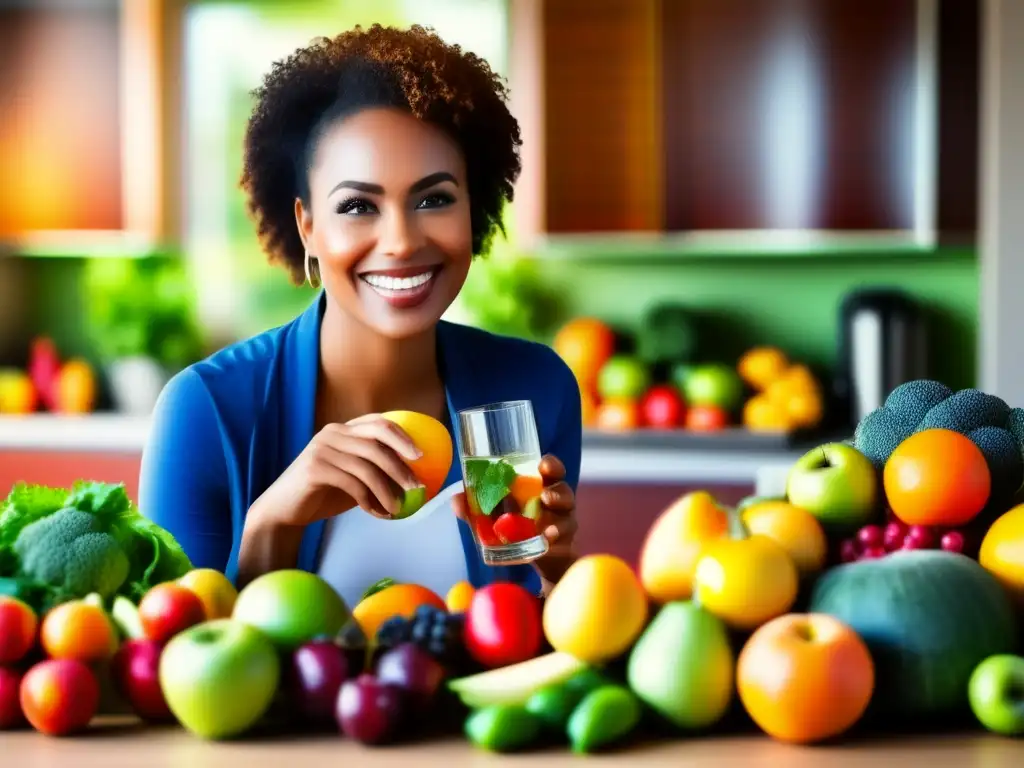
(389, 220)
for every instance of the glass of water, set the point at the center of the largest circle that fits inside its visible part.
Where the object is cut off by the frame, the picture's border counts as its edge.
(500, 454)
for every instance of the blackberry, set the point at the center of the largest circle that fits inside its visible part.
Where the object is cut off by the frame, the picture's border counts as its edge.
(393, 632)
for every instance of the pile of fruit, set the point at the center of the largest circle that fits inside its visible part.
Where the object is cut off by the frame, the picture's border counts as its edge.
(48, 383)
(660, 385)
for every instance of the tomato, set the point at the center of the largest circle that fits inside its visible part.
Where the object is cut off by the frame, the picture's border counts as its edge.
(706, 418)
(617, 415)
(503, 625)
(512, 528)
(662, 407)
(483, 526)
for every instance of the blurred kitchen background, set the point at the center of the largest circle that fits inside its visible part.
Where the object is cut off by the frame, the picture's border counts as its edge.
(780, 209)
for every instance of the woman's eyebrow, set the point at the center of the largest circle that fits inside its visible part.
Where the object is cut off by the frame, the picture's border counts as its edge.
(376, 189)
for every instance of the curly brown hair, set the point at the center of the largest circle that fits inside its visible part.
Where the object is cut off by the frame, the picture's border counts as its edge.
(411, 69)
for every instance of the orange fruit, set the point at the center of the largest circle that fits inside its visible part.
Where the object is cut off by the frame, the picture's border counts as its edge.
(18, 626)
(76, 387)
(804, 678)
(78, 630)
(585, 344)
(793, 528)
(805, 408)
(214, 590)
(459, 597)
(59, 696)
(762, 414)
(1002, 551)
(524, 488)
(760, 366)
(397, 600)
(706, 418)
(618, 415)
(588, 407)
(18, 395)
(937, 477)
(432, 438)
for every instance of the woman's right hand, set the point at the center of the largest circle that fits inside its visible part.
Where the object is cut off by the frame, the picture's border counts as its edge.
(359, 463)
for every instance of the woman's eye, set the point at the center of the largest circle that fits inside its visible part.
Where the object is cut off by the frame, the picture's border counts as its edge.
(356, 207)
(436, 200)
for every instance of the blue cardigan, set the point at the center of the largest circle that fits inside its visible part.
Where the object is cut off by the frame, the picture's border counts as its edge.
(225, 428)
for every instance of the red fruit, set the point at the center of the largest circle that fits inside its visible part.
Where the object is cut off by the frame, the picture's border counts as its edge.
(44, 370)
(59, 696)
(168, 609)
(922, 537)
(952, 541)
(511, 528)
(662, 407)
(10, 706)
(848, 551)
(135, 669)
(369, 711)
(483, 526)
(706, 418)
(318, 670)
(893, 536)
(503, 625)
(873, 552)
(18, 627)
(870, 536)
(413, 671)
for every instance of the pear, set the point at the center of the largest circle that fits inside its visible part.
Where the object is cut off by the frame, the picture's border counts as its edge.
(683, 666)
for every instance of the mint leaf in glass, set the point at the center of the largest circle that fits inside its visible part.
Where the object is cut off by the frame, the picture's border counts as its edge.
(489, 480)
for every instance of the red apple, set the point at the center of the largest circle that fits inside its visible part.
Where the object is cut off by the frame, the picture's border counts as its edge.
(662, 407)
(59, 696)
(168, 609)
(10, 707)
(706, 418)
(136, 673)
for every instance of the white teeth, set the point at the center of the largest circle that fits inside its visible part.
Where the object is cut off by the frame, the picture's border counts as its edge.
(398, 283)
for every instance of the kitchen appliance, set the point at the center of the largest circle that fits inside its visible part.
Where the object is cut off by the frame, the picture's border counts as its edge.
(882, 344)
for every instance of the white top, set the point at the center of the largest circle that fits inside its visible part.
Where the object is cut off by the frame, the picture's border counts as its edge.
(359, 549)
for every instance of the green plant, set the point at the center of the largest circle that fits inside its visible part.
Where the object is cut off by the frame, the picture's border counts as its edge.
(142, 307)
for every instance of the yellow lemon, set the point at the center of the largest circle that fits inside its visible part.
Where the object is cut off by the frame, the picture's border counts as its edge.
(214, 590)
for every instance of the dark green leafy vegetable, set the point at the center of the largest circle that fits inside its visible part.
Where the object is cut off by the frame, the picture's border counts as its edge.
(58, 544)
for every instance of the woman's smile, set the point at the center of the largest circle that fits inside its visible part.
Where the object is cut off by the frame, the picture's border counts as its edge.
(401, 288)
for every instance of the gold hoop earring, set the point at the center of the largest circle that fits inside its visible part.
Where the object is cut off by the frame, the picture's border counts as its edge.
(309, 278)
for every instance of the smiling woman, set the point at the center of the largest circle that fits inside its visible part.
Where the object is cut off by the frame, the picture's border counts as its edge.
(377, 164)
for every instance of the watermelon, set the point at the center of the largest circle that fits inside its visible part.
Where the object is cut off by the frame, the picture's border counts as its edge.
(928, 617)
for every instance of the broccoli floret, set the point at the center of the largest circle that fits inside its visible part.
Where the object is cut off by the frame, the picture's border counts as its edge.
(1005, 464)
(915, 398)
(966, 411)
(66, 551)
(878, 434)
(1015, 426)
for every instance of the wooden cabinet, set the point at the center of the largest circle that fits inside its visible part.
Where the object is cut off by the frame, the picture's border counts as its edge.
(688, 116)
(85, 92)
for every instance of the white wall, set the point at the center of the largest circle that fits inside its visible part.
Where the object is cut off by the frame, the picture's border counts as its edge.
(1001, 341)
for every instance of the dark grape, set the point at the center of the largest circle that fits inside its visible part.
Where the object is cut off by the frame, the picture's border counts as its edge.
(414, 671)
(870, 536)
(921, 536)
(952, 541)
(895, 533)
(873, 552)
(317, 671)
(368, 710)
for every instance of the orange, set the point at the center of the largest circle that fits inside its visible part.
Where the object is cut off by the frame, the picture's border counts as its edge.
(214, 590)
(524, 488)
(459, 597)
(760, 366)
(585, 344)
(78, 630)
(762, 414)
(745, 581)
(618, 415)
(937, 477)
(76, 387)
(805, 408)
(794, 529)
(804, 678)
(588, 407)
(431, 437)
(18, 626)
(397, 600)
(674, 543)
(1002, 551)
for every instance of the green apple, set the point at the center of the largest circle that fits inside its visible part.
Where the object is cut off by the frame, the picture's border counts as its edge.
(837, 484)
(713, 384)
(996, 694)
(682, 666)
(219, 677)
(623, 376)
(291, 607)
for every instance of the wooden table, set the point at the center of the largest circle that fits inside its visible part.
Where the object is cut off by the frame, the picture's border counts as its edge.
(114, 743)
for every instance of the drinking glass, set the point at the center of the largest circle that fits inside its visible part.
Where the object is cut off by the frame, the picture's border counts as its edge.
(500, 453)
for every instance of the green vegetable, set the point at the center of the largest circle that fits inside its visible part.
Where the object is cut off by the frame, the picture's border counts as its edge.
(923, 404)
(60, 545)
(605, 716)
(667, 335)
(502, 728)
(928, 617)
(554, 704)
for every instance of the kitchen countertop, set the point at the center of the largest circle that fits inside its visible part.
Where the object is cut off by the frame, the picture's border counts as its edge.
(644, 456)
(114, 743)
